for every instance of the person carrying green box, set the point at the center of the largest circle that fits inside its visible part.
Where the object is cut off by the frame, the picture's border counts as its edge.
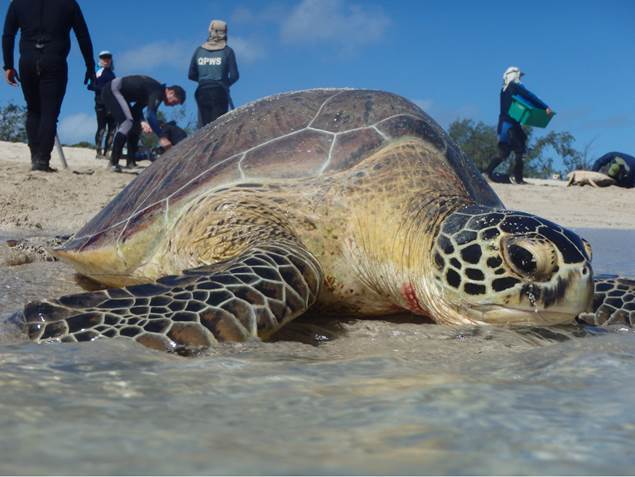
(511, 137)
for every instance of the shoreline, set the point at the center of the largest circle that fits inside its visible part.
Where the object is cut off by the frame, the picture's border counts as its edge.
(37, 203)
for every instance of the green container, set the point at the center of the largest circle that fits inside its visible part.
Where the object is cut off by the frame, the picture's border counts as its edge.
(524, 113)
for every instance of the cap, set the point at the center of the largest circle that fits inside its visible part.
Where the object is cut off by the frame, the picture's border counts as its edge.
(105, 53)
(219, 25)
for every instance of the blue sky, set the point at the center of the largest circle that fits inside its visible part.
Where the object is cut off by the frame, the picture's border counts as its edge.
(447, 56)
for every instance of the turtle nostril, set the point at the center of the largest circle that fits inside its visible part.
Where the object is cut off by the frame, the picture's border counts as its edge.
(522, 259)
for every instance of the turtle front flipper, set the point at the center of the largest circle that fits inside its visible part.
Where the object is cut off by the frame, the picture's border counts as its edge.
(613, 302)
(250, 296)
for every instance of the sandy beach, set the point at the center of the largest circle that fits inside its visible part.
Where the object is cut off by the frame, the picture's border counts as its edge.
(35, 203)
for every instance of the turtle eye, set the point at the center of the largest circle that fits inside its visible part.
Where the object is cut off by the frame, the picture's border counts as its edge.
(531, 259)
(522, 259)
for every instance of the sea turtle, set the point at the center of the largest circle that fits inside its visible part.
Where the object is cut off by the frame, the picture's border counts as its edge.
(344, 201)
(592, 178)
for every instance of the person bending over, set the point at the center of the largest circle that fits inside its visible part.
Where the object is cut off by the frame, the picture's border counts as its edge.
(511, 137)
(126, 98)
(213, 66)
(44, 45)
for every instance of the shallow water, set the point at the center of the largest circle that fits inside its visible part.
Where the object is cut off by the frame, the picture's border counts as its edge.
(383, 397)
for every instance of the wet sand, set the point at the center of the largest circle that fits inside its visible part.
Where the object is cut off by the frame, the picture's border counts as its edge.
(384, 397)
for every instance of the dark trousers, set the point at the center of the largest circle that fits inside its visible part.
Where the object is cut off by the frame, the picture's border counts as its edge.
(43, 82)
(212, 103)
(129, 135)
(105, 126)
(516, 143)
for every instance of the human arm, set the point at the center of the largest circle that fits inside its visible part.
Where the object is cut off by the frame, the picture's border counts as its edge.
(85, 44)
(154, 101)
(531, 97)
(193, 72)
(8, 43)
(232, 68)
(164, 140)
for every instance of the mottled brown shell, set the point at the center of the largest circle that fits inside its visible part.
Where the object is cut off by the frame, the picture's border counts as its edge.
(293, 135)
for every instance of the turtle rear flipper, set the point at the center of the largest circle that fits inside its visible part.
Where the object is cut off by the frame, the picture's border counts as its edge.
(613, 302)
(250, 296)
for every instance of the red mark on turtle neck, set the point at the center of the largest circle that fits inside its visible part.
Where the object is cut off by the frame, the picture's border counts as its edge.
(410, 295)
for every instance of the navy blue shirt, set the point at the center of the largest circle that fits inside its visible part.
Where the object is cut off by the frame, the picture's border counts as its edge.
(103, 77)
(506, 98)
(214, 68)
(505, 121)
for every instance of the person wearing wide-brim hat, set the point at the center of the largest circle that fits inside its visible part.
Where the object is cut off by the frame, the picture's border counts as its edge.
(511, 137)
(214, 67)
(105, 121)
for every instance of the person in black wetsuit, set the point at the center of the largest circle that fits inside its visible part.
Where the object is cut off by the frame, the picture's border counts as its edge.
(44, 45)
(511, 136)
(145, 92)
(105, 121)
(213, 66)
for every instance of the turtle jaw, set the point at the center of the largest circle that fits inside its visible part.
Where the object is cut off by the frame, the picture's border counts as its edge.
(534, 304)
(505, 316)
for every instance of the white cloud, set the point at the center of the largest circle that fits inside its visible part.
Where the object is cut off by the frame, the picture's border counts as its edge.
(76, 128)
(160, 54)
(335, 22)
(271, 13)
(247, 50)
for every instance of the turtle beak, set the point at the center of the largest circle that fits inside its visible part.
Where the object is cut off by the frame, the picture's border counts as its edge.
(542, 304)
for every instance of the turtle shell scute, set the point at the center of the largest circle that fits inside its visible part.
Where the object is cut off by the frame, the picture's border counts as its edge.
(292, 135)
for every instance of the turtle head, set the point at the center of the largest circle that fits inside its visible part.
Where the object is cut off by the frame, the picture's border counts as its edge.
(506, 267)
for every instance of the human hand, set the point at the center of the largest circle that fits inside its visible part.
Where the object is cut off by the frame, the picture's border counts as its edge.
(90, 77)
(145, 126)
(165, 143)
(12, 77)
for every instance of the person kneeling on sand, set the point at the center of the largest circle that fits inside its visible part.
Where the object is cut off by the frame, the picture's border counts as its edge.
(171, 135)
(619, 166)
(144, 92)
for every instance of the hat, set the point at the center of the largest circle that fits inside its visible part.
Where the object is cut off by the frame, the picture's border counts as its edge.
(217, 37)
(105, 53)
(511, 75)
